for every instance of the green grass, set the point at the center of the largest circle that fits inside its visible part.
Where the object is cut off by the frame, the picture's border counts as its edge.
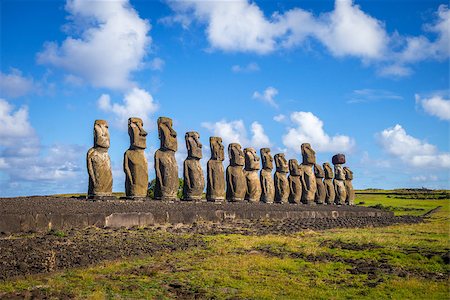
(397, 262)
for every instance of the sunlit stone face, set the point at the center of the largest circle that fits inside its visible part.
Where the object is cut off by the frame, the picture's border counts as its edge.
(251, 159)
(217, 149)
(267, 159)
(193, 144)
(236, 155)
(101, 134)
(281, 163)
(294, 168)
(167, 134)
(138, 136)
(308, 154)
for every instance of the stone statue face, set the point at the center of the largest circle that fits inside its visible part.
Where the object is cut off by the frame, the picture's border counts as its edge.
(217, 151)
(251, 159)
(267, 159)
(348, 173)
(318, 171)
(328, 171)
(294, 168)
(101, 134)
(236, 155)
(281, 163)
(138, 136)
(167, 135)
(193, 145)
(308, 154)
(339, 172)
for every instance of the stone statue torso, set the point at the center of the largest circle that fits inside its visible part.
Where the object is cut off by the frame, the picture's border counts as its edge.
(101, 169)
(166, 175)
(295, 186)
(137, 165)
(194, 182)
(268, 186)
(281, 187)
(236, 183)
(253, 186)
(215, 189)
(309, 184)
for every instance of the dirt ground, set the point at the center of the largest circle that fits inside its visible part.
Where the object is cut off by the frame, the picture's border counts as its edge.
(40, 253)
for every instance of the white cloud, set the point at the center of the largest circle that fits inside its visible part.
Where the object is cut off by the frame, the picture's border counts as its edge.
(424, 178)
(236, 132)
(157, 64)
(137, 103)
(308, 128)
(249, 68)
(241, 26)
(15, 85)
(411, 150)
(279, 118)
(267, 96)
(13, 124)
(109, 43)
(435, 106)
(349, 31)
(20, 150)
(372, 95)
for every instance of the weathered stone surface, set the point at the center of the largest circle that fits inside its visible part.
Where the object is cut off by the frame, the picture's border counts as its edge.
(99, 163)
(236, 182)
(166, 167)
(134, 162)
(295, 181)
(338, 159)
(252, 165)
(281, 181)
(194, 181)
(215, 189)
(321, 192)
(309, 179)
(339, 184)
(328, 182)
(350, 200)
(266, 178)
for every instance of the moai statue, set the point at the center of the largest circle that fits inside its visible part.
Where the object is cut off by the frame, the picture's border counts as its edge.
(350, 200)
(328, 182)
(252, 166)
(99, 163)
(166, 167)
(308, 178)
(215, 188)
(194, 181)
(321, 193)
(295, 181)
(280, 178)
(236, 182)
(134, 162)
(267, 185)
(339, 179)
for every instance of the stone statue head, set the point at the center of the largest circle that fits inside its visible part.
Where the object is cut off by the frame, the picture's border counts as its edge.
(217, 152)
(318, 171)
(294, 168)
(101, 134)
(308, 154)
(193, 145)
(166, 134)
(251, 159)
(281, 163)
(328, 171)
(267, 159)
(348, 173)
(138, 136)
(235, 154)
(339, 172)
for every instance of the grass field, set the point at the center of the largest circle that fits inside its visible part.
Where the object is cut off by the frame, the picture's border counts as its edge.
(396, 262)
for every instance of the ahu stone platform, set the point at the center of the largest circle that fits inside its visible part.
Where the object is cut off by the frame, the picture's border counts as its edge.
(40, 214)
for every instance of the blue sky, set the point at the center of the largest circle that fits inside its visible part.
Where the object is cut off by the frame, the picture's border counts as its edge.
(366, 78)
